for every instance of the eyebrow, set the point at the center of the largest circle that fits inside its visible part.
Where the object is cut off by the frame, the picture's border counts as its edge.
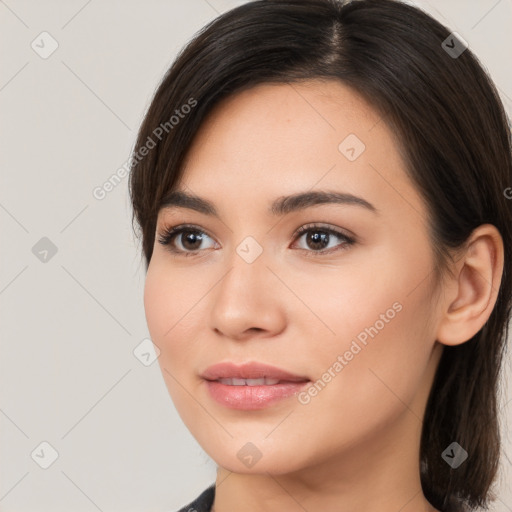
(281, 206)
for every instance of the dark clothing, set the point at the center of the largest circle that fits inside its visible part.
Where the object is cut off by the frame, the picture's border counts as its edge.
(203, 503)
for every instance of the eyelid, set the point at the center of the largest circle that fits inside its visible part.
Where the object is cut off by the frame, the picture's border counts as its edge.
(345, 233)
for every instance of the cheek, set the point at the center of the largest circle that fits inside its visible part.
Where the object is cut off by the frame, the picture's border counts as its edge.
(155, 298)
(372, 366)
(172, 303)
(376, 319)
(351, 297)
(164, 308)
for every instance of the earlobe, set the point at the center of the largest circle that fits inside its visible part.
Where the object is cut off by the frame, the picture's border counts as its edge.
(474, 288)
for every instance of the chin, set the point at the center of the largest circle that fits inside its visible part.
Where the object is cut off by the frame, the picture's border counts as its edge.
(244, 457)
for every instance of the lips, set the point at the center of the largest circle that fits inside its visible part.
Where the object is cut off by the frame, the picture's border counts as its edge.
(251, 386)
(250, 374)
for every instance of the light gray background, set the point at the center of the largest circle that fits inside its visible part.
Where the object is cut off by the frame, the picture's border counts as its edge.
(69, 325)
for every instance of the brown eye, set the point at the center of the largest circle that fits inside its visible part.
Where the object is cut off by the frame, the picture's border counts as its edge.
(318, 238)
(185, 240)
(188, 240)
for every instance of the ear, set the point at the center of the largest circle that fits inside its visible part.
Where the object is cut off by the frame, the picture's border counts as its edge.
(471, 294)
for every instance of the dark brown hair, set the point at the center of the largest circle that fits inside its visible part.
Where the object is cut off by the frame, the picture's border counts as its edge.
(455, 139)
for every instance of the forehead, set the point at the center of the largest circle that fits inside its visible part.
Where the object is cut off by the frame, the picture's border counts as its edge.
(285, 120)
(276, 139)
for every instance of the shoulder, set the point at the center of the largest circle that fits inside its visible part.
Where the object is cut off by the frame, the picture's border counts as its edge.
(202, 503)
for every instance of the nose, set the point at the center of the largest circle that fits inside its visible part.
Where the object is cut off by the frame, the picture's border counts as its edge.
(248, 301)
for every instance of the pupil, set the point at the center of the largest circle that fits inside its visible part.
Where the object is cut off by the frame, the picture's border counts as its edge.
(319, 237)
(191, 238)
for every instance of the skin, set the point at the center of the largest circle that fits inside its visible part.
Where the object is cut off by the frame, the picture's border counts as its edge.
(355, 445)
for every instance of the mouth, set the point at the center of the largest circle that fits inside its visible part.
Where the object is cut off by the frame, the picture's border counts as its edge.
(251, 386)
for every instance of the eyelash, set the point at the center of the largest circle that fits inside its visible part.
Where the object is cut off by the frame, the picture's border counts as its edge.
(169, 233)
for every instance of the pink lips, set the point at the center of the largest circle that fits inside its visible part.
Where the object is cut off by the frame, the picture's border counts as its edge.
(249, 371)
(250, 397)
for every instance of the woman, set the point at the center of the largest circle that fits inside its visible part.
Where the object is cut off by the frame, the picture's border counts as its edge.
(321, 191)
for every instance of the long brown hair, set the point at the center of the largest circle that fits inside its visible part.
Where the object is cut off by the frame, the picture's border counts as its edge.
(455, 138)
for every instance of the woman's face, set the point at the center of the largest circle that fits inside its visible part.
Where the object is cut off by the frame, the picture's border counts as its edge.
(351, 312)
